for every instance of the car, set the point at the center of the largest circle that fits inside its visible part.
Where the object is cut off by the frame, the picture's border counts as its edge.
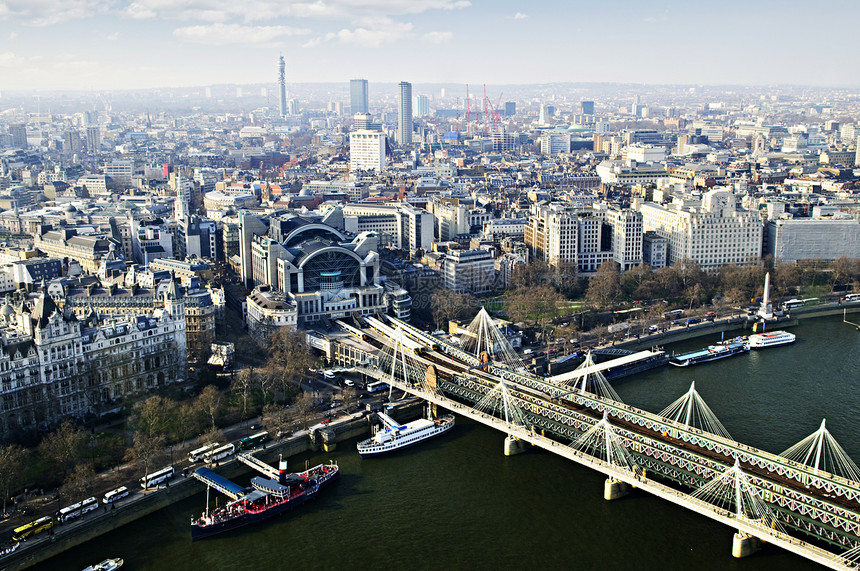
(256, 426)
(652, 328)
(349, 383)
(693, 321)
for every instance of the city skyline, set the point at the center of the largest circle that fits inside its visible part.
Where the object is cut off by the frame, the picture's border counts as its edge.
(95, 44)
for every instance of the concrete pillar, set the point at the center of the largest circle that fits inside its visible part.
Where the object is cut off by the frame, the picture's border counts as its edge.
(744, 545)
(514, 446)
(329, 440)
(614, 489)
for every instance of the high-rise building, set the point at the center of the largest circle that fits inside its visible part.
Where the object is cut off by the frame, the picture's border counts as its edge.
(72, 142)
(358, 99)
(510, 108)
(94, 138)
(404, 114)
(19, 135)
(282, 86)
(366, 151)
(422, 106)
(587, 107)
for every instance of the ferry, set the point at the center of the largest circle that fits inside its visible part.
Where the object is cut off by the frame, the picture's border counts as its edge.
(264, 499)
(395, 436)
(771, 339)
(711, 353)
(106, 565)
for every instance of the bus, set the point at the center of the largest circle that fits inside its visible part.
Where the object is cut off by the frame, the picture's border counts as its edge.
(32, 528)
(852, 297)
(376, 386)
(253, 441)
(69, 513)
(155, 478)
(795, 303)
(115, 495)
(197, 455)
(219, 453)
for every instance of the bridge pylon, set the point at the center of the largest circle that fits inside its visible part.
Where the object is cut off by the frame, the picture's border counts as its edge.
(820, 451)
(691, 410)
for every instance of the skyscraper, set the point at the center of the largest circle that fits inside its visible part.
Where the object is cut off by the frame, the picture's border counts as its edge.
(358, 96)
(422, 106)
(282, 86)
(404, 114)
(587, 107)
(19, 135)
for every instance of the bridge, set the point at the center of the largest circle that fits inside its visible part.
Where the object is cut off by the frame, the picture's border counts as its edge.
(806, 500)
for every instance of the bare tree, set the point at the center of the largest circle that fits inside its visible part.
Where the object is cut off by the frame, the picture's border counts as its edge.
(290, 359)
(62, 447)
(12, 462)
(303, 408)
(348, 398)
(146, 449)
(242, 386)
(449, 306)
(79, 485)
(604, 286)
(209, 401)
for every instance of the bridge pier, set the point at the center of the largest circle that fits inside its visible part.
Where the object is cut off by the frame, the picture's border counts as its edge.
(744, 544)
(614, 489)
(514, 446)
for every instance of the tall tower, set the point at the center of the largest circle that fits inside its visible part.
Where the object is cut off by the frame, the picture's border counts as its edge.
(282, 86)
(404, 114)
(358, 96)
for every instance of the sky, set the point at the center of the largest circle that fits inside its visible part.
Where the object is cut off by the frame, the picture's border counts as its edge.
(122, 44)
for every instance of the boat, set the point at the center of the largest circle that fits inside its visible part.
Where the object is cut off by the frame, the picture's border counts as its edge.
(771, 339)
(106, 565)
(395, 436)
(710, 353)
(264, 499)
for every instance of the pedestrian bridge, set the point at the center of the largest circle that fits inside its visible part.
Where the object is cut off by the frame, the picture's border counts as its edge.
(796, 505)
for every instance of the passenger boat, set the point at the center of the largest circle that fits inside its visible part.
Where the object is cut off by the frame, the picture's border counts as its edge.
(106, 565)
(711, 353)
(771, 339)
(395, 436)
(266, 498)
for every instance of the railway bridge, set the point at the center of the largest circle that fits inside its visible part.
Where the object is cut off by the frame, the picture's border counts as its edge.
(682, 455)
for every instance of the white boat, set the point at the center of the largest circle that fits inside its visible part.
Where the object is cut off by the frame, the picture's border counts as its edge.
(106, 565)
(771, 339)
(395, 436)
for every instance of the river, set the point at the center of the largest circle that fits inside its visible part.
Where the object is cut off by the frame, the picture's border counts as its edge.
(458, 503)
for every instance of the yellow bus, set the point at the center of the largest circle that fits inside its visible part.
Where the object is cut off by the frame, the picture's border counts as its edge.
(32, 528)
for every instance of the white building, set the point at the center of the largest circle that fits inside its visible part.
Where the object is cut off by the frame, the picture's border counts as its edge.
(269, 309)
(646, 153)
(366, 151)
(554, 142)
(403, 226)
(812, 239)
(469, 271)
(715, 233)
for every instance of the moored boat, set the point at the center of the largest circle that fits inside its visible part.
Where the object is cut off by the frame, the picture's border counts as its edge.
(710, 353)
(264, 499)
(395, 436)
(771, 339)
(106, 565)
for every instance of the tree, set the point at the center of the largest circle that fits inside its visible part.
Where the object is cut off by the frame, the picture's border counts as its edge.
(348, 398)
(242, 386)
(275, 417)
(290, 359)
(604, 286)
(79, 484)
(535, 306)
(62, 447)
(449, 306)
(209, 402)
(12, 461)
(146, 449)
(535, 272)
(303, 408)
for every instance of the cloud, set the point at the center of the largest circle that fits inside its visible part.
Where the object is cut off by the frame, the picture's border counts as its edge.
(112, 37)
(225, 34)
(520, 16)
(47, 12)
(437, 37)
(374, 37)
(13, 36)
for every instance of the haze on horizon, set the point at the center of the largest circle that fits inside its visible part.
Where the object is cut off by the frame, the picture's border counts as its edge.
(140, 44)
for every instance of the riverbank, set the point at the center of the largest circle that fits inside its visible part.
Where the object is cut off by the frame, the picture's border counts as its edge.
(143, 503)
(732, 324)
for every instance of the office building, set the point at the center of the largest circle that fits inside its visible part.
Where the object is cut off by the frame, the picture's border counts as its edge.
(404, 114)
(712, 233)
(366, 151)
(19, 135)
(422, 106)
(510, 108)
(358, 97)
(94, 138)
(472, 271)
(587, 107)
(826, 239)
